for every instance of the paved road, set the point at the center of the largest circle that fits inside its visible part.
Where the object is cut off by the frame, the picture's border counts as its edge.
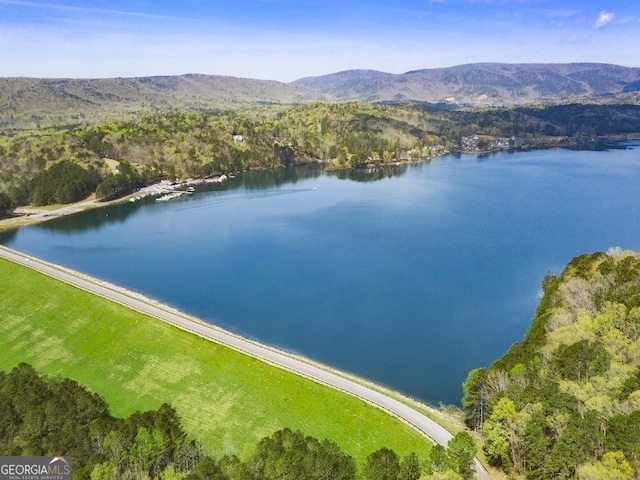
(417, 420)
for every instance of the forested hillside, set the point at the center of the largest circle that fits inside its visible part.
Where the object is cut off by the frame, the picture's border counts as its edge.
(340, 136)
(565, 402)
(33, 102)
(203, 144)
(51, 416)
(576, 121)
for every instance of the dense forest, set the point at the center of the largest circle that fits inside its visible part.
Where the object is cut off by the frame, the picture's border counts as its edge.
(44, 416)
(179, 145)
(581, 123)
(565, 402)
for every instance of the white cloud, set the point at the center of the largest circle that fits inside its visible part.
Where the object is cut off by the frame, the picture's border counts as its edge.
(604, 18)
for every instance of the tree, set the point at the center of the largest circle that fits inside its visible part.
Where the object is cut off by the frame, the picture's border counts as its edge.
(568, 452)
(537, 446)
(438, 458)
(612, 466)
(63, 182)
(103, 471)
(233, 468)
(582, 360)
(382, 464)
(329, 462)
(291, 455)
(122, 183)
(446, 475)
(206, 469)
(115, 450)
(147, 449)
(496, 432)
(473, 398)
(570, 396)
(631, 327)
(280, 456)
(170, 473)
(410, 468)
(187, 454)
(6, 205)
(461, 451)
(623, 434)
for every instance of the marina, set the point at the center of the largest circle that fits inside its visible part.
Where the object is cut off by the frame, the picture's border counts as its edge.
(167, 190)
(170, 196)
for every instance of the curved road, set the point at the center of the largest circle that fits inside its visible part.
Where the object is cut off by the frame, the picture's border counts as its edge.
(417, 420)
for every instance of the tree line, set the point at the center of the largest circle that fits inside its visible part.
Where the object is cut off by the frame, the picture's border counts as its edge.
(44, 415)
(565, 402)
(62, 182)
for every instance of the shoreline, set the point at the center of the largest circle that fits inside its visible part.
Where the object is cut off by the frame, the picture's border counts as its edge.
(413, 413)
(28, 215)
(547, 143)
(50, 269)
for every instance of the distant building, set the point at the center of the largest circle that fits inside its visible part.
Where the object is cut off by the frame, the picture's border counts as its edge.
(238, 138)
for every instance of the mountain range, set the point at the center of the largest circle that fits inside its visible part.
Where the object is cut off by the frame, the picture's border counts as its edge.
(491, 84)
(482, 83)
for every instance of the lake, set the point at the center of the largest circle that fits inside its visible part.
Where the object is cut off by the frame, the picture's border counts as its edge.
(408, 276)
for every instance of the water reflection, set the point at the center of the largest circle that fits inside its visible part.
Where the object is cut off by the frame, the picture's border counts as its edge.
(410, 282)
(8, 236)
(267, 182)
(275, 177)
(93, 219)
(371, 174)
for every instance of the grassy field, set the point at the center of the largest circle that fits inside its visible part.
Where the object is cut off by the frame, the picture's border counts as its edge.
(226, 399)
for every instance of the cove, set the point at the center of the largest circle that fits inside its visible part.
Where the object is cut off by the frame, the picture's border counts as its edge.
(408, 276)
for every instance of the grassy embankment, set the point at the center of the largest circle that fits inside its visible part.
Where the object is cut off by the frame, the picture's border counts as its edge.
(226, 399)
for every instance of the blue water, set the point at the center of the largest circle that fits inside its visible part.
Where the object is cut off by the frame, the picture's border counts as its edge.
(410, 281)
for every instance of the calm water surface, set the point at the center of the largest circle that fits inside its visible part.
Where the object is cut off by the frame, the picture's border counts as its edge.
(410, 280)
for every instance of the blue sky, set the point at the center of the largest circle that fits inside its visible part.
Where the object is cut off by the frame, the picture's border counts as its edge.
(289, 39)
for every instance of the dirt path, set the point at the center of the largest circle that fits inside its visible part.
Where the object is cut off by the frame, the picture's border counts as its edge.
(41, 214)
(28, 215)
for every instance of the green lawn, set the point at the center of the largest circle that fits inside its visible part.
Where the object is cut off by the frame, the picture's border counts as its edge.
(226, 399)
